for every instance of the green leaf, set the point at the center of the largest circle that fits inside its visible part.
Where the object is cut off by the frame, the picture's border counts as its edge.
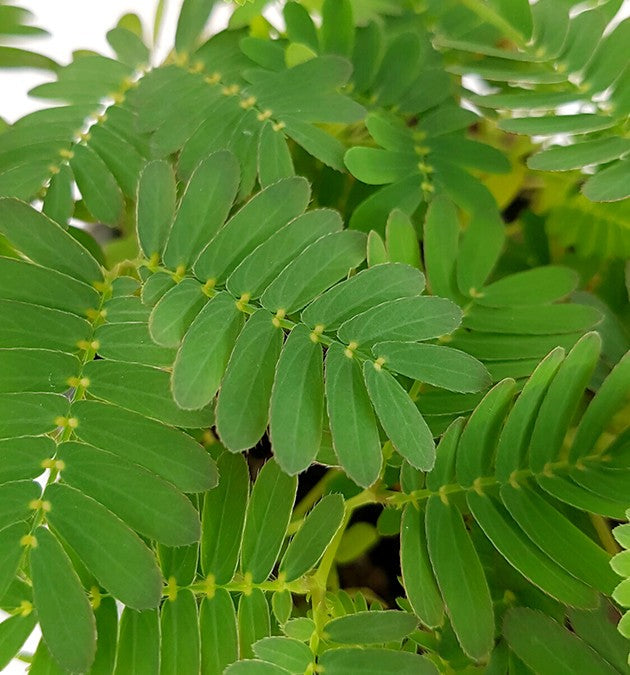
(175, 311)
(223, 518)
(286, 652)
(318, 267)
(578, 155)
(540, 285)
(297, 402)
(10, 554)
(200, 363)
(155, 287)
(561, 401)
(15, 499)
(142, 389)
(371, 627)
(439, 366)
(14, 631)
(155, 208)
(352, 422)
(273, 493)
(525, 556)
(252, 225)
(34, 327)
(337, 32)
(243, 405)
(36, 370)
(179, 562)
(441, 246)
(557, 124)
(479, 250)
(567, 490)
(547, 647)
(25, 282)
(478, 440)
(30, 413)
(300, 26)
(399, 416)
(357, 540)
(63, 609)
(282, 604)
(192, 19)
(375, 662)
(417, 318)
(461, 578)
(107, 636)
(559, 538)
(361, 292)
(219, 639)
(513, 444)
(312, 539)
(253, 621)
(610, 184)
(402, 240)
(179, 635)
(141, 499)
(418, 578)
(138, 643)
(41, 239)
(380, 167)
(274, 158)
(264, 264)
(376, 251)
(98, 187)
(131, 341)
(608, 400)
(203, 209)
(510, 346)
(165, 451)
(532, 319)
(108, 548)
(255, 667)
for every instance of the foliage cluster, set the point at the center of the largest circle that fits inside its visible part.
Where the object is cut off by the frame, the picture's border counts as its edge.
(296, 293)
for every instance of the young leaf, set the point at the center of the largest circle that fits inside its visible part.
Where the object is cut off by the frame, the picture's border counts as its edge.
(200, 363)
(263, 215)
(165, 451)
(523, 555)
(141, 499)
(418, 578)
(559, 538)
(352, 421)
(253, 621)
(549, 648)
(297, 402)
(203, 209)
(285, 652)
(317, 268)
(360, 292)
(264, 264)
(174, 312)
(138, 643)
(98, 187)
(63, 609)
(312, 539)
(356, 661)
(108, 548)
(179, 635)
(41, 240)
(142, 389)
(399, 416)
(155, 206)
(461, 578)
(371, 627)
(439, 366)
(417, 318)
(223, 518)
(243, 405)
(219, 638)
(273, 493)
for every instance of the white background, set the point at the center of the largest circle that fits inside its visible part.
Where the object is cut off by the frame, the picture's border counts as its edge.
(82, 24)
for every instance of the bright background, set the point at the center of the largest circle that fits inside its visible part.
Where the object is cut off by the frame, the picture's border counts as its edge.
(82, 24)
